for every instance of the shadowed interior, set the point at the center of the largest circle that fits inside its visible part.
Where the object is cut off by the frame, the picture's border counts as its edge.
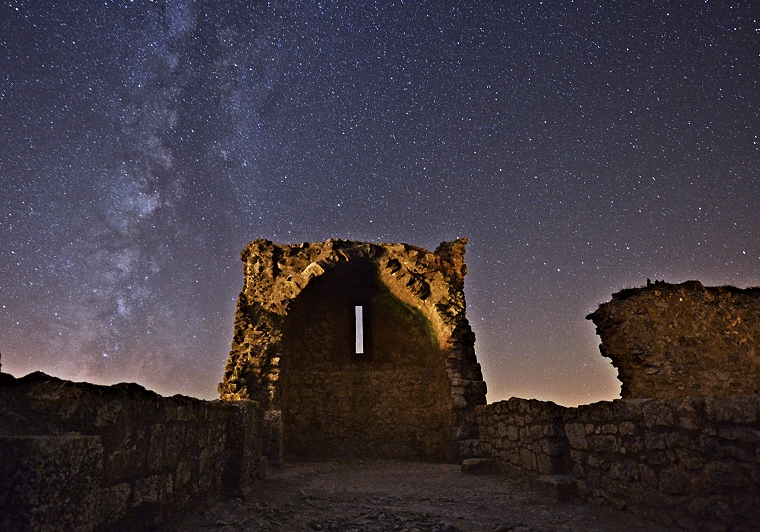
(392, 400)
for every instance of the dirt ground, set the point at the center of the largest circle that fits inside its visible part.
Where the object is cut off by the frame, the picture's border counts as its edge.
(384, 495)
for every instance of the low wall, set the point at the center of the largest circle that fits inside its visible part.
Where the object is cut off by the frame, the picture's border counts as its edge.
(692, 463)
(81, 456)
(526, 434)
(680, 461)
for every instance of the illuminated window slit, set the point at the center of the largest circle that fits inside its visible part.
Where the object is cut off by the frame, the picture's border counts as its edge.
(359, 329)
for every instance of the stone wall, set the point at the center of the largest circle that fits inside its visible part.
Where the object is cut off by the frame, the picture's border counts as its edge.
(685, 462)
(526, 434)
(410, 393)
(78, 456)
(683, 445)
(692, 463)
(682, 340)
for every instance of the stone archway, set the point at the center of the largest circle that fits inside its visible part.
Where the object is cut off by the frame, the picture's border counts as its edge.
(412, 392)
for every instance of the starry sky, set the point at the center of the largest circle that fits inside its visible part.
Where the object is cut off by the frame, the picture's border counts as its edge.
(581, 147)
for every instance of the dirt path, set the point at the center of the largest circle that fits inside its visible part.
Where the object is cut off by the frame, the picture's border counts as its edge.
(380, 495)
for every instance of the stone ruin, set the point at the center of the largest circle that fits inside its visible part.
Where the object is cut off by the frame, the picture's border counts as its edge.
(682, 340)
(80, 456)
(357, 349)
(680, 447)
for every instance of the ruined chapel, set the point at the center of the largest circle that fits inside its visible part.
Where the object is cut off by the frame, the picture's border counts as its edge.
(357, 349)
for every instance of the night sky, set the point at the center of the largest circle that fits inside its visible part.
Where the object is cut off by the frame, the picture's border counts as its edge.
(580, 147)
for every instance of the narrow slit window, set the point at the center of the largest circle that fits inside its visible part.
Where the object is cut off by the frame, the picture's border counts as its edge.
(359, 329)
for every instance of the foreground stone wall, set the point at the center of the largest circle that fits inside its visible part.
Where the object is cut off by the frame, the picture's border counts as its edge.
(682, 340)
(417, 382)
(692, 463)
(688, 462)
(77, 456)
(526, 434)
(683, 445)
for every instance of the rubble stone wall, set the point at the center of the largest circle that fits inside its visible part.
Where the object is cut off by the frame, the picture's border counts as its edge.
(78, 456)
(685, 462)
(411, 393)
(682, 340)
(693, 463)
(683, 445)
(526, 434)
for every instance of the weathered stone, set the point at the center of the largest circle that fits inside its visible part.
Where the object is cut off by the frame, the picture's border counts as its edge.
(742, 434)
(709, 446)
(657, 413)
(682, 340)
(107, 414)
(723, 474)
(73, 460)
(629, 409)
(597, 462)
(113, 502)
(152, 489)
(655, 441)
(689, 422)
(675, 481)
(543, 464)
(625, 471)
(596, 413)
(691, 462)
(44, 478)
(689, 459)
(627, 428)
(576, 435)
(411, 392)
(739, 451)
(536, 432)
(526, 459)
(602, 443)
(733, 409)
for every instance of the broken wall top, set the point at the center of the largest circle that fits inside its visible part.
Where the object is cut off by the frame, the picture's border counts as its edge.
(275, 274)
(682, 340)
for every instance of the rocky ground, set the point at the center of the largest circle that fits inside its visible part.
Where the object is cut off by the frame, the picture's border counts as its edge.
(377, 495)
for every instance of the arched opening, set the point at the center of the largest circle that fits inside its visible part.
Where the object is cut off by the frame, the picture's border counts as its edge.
(392, 399)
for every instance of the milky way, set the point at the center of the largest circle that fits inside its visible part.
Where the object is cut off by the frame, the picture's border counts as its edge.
(580, 148)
